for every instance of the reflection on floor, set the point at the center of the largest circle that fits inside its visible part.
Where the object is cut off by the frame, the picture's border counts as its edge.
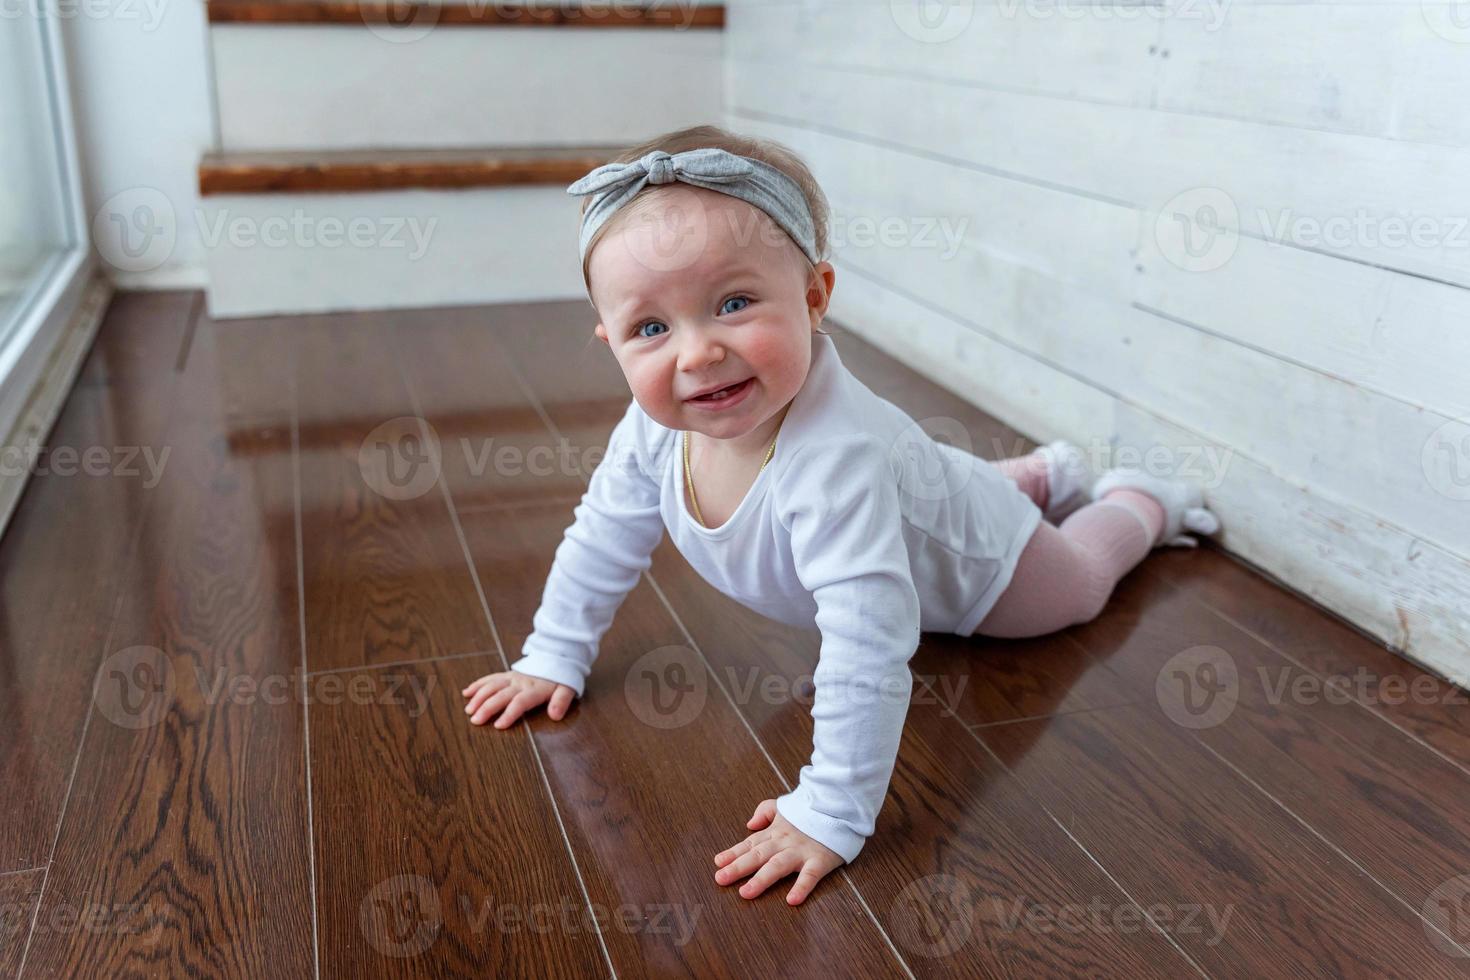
(232, 640)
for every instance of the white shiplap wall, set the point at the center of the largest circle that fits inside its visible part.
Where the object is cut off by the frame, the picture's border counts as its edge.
(1237, 231)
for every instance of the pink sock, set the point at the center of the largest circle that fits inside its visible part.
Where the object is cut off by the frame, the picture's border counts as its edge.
(1066, 574)
(1029, 473)
(1148, 510)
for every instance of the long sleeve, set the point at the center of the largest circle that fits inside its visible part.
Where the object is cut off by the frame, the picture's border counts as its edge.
(840, 503)
(607, 547)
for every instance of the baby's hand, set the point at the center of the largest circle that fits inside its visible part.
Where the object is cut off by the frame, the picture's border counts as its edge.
(776, 851)
(517, 693)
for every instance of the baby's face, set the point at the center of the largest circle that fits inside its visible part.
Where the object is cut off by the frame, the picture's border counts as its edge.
(705, 290)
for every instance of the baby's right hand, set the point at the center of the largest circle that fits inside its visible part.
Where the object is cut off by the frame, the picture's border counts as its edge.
(517, 693)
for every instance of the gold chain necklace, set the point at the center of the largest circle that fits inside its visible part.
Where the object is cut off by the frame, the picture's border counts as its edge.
(689, 477)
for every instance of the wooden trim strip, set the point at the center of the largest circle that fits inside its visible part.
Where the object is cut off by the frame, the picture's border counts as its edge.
(379, 170)
(478, 13)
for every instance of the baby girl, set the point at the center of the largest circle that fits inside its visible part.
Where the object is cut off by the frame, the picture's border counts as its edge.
(703, 253)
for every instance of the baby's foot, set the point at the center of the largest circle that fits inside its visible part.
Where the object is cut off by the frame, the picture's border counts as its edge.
(1183, 503)
(1068, 479)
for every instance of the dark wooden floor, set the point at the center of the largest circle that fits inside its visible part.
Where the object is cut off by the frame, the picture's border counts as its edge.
(233, 744)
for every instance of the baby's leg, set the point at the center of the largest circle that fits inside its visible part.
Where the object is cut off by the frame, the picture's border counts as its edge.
(1065, 574)
(1029, 473)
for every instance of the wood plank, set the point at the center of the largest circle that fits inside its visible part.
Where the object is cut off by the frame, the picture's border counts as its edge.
(18, 891)
(189, 801)
(1427, 707)
(147, 335)
(384, 15)
(645, 824)
(1180, 829)
(385, 575)
(1309, 748)
(394, 169)
(437, 844)
(497, 450)
(64, 559)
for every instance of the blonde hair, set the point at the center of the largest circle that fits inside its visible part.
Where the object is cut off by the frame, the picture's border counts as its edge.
(697, 137)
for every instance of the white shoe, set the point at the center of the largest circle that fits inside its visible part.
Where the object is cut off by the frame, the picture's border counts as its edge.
(1068, 479)
(1183, 503)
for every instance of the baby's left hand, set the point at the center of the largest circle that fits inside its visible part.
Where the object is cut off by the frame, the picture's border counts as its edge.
(777, 850)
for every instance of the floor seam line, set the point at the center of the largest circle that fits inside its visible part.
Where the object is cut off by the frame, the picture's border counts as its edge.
(1077, 843)
(500, 647)
(301, 628)
(1418, 913)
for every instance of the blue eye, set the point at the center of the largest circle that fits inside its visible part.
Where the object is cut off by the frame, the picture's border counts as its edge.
(651, 323)
(734, 299)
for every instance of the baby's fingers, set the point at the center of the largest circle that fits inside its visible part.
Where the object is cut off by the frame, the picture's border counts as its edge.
(479, 683)
(765, 812)
(811, 873)
(485, 703)
(561, 700)
(771, 872)
(518, 706)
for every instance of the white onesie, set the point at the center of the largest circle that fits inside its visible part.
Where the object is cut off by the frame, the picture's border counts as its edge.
(861, 525)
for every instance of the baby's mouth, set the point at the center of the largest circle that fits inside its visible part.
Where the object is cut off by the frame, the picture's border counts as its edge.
(723, 393)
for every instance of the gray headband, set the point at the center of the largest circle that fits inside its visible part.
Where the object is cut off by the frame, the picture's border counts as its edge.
(760, 184)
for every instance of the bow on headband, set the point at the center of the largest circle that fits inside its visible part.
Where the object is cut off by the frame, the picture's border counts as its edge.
(615, 184)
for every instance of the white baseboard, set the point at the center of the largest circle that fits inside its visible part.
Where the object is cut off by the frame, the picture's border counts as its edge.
(51, 388)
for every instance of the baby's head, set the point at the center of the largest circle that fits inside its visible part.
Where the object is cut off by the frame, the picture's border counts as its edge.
(695, 288)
